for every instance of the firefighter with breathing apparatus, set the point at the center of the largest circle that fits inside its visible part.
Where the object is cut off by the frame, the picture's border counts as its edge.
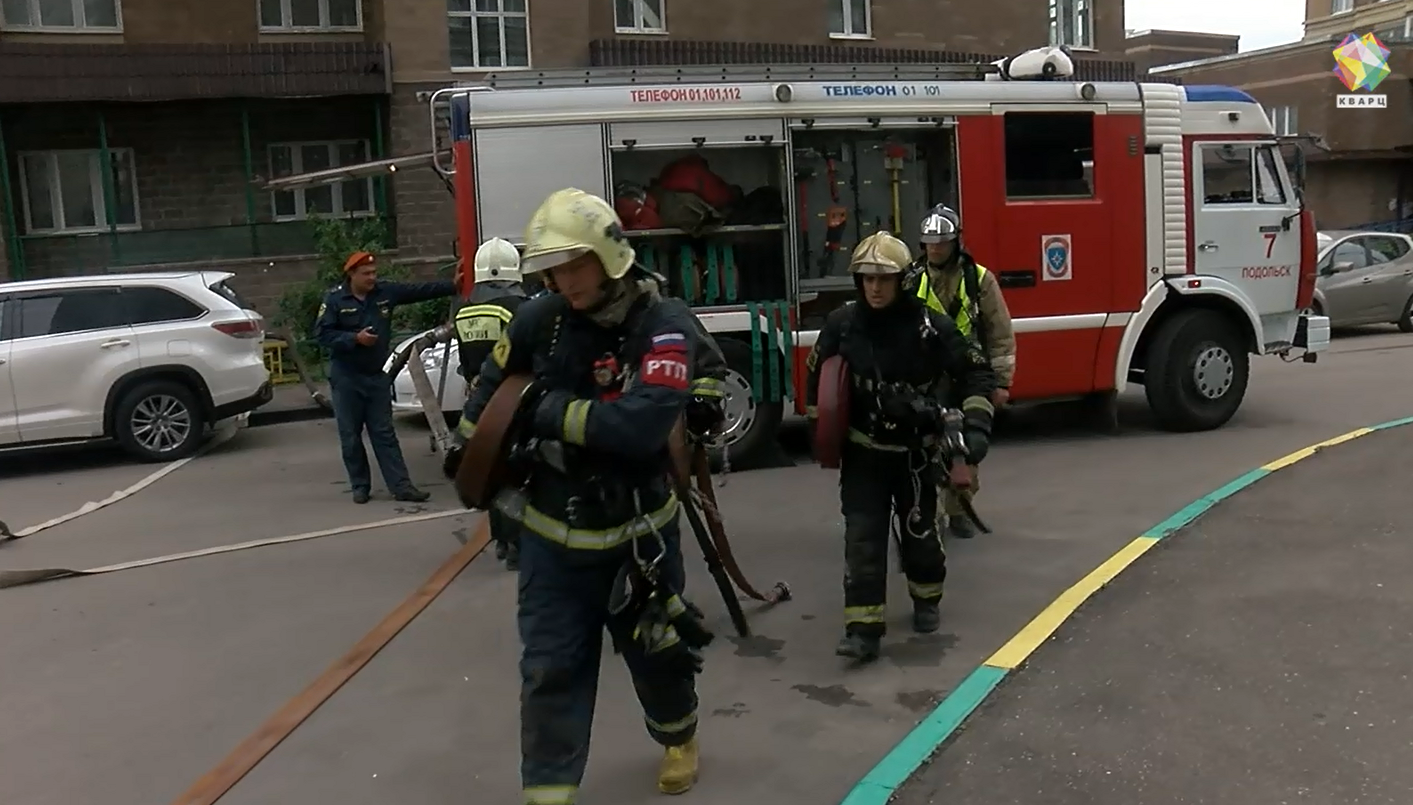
(480, 323)
(904, 363)
(612, 362)
(951, 282)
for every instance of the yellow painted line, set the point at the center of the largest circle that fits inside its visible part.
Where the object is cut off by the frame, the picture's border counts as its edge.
(1027, 640)
(1306, 452)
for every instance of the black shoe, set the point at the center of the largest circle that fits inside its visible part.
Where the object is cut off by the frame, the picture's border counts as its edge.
(502, 549)
(360, 496)
(926, 618)
(512, 558)
(411, 494)
(959, 526)
(858, 647)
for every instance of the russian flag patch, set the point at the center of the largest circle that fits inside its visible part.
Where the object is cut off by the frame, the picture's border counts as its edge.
(669, 342)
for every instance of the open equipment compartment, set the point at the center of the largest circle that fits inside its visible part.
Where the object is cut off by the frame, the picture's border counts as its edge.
(853, 178)
(703, 202)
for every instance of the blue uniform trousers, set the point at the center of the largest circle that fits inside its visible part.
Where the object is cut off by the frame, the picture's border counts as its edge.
(364, 401)
(563, 612)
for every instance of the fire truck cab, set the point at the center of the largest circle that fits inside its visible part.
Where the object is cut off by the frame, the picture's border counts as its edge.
(1141, 233)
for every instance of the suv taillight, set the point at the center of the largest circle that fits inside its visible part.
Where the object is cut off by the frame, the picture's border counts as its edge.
(238, 329)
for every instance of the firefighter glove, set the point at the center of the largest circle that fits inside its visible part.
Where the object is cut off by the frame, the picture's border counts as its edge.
(452, 461)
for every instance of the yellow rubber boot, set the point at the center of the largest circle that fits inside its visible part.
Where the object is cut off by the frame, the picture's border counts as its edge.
(679, 768)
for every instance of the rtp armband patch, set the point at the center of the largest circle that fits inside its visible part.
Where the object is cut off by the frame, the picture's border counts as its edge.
(666, 368)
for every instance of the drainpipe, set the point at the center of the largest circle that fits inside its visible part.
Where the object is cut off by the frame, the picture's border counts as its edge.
(380, 190)
(249, 156)
(105, 161)
(12, 229)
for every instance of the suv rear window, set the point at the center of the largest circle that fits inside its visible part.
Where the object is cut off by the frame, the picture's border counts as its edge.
(224, 289)
(151, 305)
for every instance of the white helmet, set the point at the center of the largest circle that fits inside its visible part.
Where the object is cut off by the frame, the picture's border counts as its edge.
(571, 223)
(497, 260)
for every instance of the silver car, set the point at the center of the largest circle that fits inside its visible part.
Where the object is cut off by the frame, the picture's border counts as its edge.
(1365, 278)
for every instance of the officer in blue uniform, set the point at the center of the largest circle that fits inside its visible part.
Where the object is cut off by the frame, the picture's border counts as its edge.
(355, 326)
(612, 362)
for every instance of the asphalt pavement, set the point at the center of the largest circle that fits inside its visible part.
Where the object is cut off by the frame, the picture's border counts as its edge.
(1260, 656)
(126, 688)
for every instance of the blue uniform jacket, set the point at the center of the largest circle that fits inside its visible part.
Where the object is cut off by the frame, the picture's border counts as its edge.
(342, 315)
(622, 435)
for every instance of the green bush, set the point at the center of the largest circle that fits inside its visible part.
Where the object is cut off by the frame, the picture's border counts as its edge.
(335, 239)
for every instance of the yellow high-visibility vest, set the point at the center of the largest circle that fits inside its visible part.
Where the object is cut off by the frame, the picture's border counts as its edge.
(963, 318)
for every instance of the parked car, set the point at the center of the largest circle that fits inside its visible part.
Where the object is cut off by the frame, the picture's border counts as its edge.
(1365, 278)
(453, 389)
(150, 360)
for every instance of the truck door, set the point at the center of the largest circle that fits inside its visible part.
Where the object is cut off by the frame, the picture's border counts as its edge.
(1244, 228)
(1052, 202)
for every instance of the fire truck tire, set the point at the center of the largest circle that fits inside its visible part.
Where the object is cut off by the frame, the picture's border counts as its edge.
(751, 427)
(1405, 322)
(1196, 371)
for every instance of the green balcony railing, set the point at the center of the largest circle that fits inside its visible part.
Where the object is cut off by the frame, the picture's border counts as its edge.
(68, 255)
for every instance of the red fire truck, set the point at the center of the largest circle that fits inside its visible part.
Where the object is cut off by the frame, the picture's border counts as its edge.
(1142, 233)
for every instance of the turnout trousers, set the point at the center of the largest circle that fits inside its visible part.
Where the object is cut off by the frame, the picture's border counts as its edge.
(364, 402)
(563, 612)
(874, 486)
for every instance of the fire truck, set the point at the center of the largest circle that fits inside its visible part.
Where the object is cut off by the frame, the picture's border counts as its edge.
(1143, 233)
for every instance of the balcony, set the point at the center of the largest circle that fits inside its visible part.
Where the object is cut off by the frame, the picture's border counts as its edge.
(34, 73)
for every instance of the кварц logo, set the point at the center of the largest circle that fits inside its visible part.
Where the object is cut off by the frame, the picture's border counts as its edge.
(1361, 62)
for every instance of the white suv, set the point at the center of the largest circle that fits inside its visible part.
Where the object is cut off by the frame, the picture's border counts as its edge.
(151, 360)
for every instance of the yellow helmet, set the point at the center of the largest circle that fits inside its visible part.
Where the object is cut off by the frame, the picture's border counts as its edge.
(880, 253)
(571, 223)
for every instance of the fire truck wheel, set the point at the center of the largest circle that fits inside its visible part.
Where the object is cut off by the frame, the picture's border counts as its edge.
(751, 426)
(1405, 322)
(1196, 371)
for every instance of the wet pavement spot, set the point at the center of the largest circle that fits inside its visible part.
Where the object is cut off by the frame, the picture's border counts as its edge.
(806, 617)
(833, 695)
(736, 710)
(416, 508)
(462, 535)
(759, 647)
(920, 651)
(919, 700)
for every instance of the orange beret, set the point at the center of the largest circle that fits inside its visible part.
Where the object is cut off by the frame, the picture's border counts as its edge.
(355, 260)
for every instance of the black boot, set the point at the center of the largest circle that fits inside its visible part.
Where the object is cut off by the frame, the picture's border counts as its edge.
(960, 526)
(858, 647)
(360, 495)
(512, 557)
(926, 618)
(411, 494)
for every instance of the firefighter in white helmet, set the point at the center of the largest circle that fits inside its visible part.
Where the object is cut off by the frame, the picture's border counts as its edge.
(480, 323)
(612, 361)
(904, 362)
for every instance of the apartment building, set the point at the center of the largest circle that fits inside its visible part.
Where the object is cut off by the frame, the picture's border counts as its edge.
(142, 132)
(1359, 166)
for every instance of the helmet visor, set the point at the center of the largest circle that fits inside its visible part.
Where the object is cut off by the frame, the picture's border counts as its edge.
(545, 260)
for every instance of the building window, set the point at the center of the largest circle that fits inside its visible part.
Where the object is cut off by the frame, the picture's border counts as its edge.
(65, 192)
(1072, 23)
(1049, 154)
(352, 197)
(639, 16)
(311, 15)
(1341, 6)
(851, 18)
(61, 15)
(488, 34)
(1283, 120)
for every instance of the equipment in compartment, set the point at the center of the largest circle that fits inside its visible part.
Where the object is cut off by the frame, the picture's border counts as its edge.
(851, 183)
(710, 221)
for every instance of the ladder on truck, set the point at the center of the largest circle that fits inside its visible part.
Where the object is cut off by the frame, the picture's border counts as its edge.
(734, 73)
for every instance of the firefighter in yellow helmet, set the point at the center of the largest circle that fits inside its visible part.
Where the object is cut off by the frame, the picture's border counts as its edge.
(905, 362)
(480, 322)
(951, 282)
(612, 361)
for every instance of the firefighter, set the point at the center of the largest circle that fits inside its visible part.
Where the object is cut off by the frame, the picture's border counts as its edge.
(355, 325)
(951, 282)
(479, 325)
(905, 362)
(611, 360)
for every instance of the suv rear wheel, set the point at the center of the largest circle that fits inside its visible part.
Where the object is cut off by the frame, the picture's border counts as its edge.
(159, 420)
